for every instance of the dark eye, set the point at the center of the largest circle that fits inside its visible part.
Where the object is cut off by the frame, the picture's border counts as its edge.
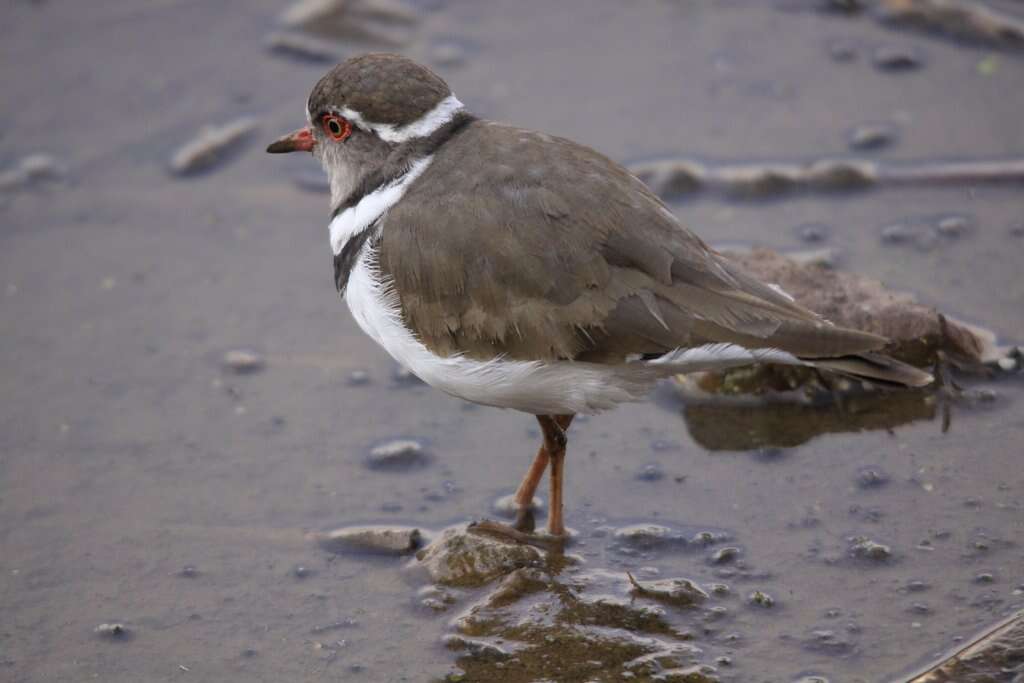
(336, 127)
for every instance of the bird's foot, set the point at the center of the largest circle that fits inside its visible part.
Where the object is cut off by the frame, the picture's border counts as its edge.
(524, 520)
(503, 531)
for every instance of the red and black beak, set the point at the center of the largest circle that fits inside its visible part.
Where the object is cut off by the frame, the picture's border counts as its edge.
(300, 140)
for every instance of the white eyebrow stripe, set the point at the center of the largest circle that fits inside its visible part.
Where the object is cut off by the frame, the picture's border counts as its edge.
(443, 112)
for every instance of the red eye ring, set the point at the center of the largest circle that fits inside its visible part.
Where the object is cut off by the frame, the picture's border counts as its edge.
(336, 127)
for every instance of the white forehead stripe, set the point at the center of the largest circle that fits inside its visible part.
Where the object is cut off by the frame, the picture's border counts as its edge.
(355, 219)
(441, 114)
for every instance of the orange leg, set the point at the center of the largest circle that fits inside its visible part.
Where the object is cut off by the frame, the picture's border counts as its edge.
(554, 444)
(528, 487)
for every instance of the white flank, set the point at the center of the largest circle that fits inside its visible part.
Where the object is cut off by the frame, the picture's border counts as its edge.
(541, 388)
(441, 114)
(355, 219)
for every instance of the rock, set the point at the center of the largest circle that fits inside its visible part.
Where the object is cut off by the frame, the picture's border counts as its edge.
(725, 555)
(761, 599)
(961, 20)
(895, 58)
(211, 146)
(675, 592)
(303, 47)
(953, 225)
(461, 558)
(864, 548)
(397, 454)
(997, 650)
(649, 536)
(31, 169)
(383, 540)
(871, 478)
(650, 472)
(812, 232)
(113, 631)
(871, 136)
(301, 571)
(897, 233)
(506, 506)
(388, 22)
(243, 361)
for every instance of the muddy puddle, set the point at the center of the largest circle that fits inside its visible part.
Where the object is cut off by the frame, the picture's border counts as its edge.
(186, 403)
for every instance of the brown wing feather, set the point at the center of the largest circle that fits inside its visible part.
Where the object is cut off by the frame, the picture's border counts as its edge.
(487, 258)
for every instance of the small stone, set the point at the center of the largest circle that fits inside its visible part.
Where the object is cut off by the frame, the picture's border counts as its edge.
(243, 361)
(953, 226)
(397, 454)
(358, 378)
(871, 136)
(302, 572)
(649, 536)
(189, 572)
(725, 555)
(895, 58)
(919, 608)
(459, 557)
(761, 599)
(897, 233)
(114, 631)
(676, 592)
(650, 473)
(917, 586)
(812, 232)
(211, 146)
(864, 548)
(382, 540)
(842, 51)
(984, 578)
(31, 169)
(871, 478)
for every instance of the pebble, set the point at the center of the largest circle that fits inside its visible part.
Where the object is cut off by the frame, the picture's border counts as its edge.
(31, 169)
(114, 630)
(211, 146)
(871, 136)
(917, 586)
(812, 232)
(189, 572)
(761, 599)
(302, 572)
(506, 506)
(243, 361)
(649, 536)
(358, 378)
(383, 540)
(919, 608)
(725, 555)
(397, 454)
(304, 47)
(897, 233)
(984, 578)
(896, 58)
(871, 478)
(650, 473)
(459, 557)
(953, 225)
(675, 592)
(864, 548)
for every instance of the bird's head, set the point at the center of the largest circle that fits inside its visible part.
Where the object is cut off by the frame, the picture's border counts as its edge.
(367, 112)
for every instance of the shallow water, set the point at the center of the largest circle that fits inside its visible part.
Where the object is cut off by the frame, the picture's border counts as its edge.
(129, 453)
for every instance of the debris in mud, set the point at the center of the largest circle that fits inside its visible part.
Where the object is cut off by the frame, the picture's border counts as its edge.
(967, 21)
(672, 178)
(32, 169)
(651, 472)
(674, 592)
(370, 539)
(998, 650)
(461, 558)
(435, 598)
(725, 555)
(872, 478)
(113, 631)
(650, 537)
(304, 47)
(862, 547)
(387, 22)
(872, 136)
(213, 145)
(897, 58)
(761, 599)
(397, 454)
(243, 361)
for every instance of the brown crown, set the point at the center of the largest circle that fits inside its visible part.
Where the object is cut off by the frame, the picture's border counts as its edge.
(382, 88)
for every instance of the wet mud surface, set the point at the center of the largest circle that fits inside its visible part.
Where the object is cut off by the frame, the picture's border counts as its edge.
(189, 413)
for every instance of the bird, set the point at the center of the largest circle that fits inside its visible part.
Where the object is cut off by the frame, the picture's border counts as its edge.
(516, 269)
